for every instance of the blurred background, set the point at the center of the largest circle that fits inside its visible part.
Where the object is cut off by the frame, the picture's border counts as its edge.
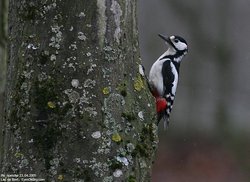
(209, 135)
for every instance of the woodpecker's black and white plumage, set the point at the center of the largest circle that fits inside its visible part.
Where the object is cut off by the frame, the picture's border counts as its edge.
(164, 75)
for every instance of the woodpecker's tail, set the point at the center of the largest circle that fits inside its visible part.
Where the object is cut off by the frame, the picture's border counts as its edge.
(166, 122)
(165, 118)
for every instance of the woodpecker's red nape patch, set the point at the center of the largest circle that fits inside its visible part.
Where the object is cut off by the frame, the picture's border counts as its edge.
(161, 104)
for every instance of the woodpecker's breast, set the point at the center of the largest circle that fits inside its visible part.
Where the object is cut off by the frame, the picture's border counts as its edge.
(155, 77)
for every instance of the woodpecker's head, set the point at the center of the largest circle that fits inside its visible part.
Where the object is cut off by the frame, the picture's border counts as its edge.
(177, 43)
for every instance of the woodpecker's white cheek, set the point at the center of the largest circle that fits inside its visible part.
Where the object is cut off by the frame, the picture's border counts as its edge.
(181, 46)
(175, 78)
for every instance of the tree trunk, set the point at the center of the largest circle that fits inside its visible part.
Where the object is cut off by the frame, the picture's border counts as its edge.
(76, 107)
(3, 40)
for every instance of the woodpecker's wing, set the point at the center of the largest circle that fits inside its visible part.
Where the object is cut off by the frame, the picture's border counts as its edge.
(168, 77)
(168, 80)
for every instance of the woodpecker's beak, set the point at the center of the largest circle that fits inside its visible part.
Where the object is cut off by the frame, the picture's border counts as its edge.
(165, 39)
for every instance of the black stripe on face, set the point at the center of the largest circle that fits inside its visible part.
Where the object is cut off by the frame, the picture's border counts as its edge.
(171, 43)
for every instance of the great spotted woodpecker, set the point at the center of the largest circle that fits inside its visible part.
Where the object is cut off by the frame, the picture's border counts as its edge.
(164, 74)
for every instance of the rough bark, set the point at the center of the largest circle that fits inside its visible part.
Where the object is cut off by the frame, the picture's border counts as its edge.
(3, 40)
(76, 106)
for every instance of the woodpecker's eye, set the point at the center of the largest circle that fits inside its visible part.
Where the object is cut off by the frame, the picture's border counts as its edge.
(176, 40)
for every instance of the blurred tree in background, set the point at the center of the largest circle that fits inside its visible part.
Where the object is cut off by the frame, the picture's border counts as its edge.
(211, 113)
